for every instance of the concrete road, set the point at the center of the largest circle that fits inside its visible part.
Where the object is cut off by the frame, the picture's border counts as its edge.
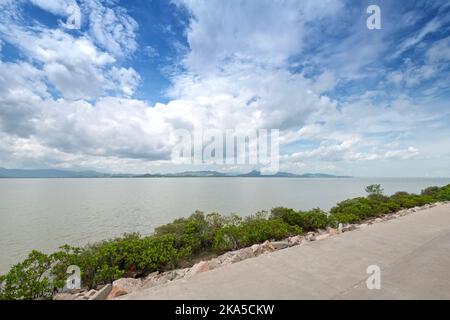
(413, 253)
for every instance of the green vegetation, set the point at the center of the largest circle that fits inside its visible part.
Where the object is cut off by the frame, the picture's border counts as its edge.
(306, 220)
(186, 239)
(374, 189)
(251, 230)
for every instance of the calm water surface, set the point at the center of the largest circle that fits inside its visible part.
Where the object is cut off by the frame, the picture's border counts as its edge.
(43, 214)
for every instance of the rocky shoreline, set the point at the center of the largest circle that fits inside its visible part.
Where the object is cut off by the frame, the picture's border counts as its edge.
(125, 286)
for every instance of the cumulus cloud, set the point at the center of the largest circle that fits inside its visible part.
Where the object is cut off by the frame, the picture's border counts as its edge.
(21, 91)
(112, 28)
(125, 79)
(266, 32)
(247, 65)
(74, 65)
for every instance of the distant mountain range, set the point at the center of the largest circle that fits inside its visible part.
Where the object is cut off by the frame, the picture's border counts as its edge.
(56, 173)
(52, 173)
(252, 174)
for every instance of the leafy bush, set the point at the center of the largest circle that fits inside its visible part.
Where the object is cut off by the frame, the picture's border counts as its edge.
(341, 217)
(430, 191)
(107, 261)
(361, 208)
(313, 220)
(444, 194)
(374, 189)
(286, 214)
(196, 233)
(307, 220)
(29, 279)
(406, 200)
(289, 216)
(252, 230)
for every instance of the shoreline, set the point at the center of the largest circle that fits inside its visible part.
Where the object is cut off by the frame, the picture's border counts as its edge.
(410, 251)
(178, 250)
(101, 215)
(122, 287)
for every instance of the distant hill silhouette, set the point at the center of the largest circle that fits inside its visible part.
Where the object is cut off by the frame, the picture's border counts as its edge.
(58, 173)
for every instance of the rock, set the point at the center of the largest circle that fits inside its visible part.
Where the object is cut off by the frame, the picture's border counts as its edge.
(322, 236)
(90, 293)
(169, 275)
(332, 231)
(198, 268)
(363, 225)
(64, 296)
(156, 281)
(265, 247)
(84, 295)
(278, 245)
(255, 249)
(340, 228)
(214, 264)
(295, 240)
(124, 286)
(310, 236)
(103, 293)
(243, 254)
(349, 227)
(181, 273)
(378, 220)
(225, 258)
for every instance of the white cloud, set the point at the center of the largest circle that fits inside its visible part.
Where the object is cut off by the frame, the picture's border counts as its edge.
(125, 79)
(237, 73)
(109, 25)
(74, 65)
(151, 52)
(112, 28)
(431, 27)
(266, 32)
(21, 90)
(439, 51)
(327, 151)
(402, 154)
(58, 7)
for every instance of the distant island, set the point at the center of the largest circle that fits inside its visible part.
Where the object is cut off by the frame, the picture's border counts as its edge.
(58, 173)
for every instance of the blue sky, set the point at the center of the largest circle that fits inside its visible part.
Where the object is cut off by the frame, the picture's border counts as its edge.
(91, 84)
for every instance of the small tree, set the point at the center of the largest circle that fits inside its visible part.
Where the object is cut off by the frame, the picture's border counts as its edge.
(29, 279)
(374, 189)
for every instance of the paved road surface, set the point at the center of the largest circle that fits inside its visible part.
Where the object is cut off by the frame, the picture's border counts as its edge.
(413, 253)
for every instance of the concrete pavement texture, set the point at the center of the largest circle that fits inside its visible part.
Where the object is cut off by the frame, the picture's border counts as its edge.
(412, 252)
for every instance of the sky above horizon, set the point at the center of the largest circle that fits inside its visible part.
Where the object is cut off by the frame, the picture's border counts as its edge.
(104, 85)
